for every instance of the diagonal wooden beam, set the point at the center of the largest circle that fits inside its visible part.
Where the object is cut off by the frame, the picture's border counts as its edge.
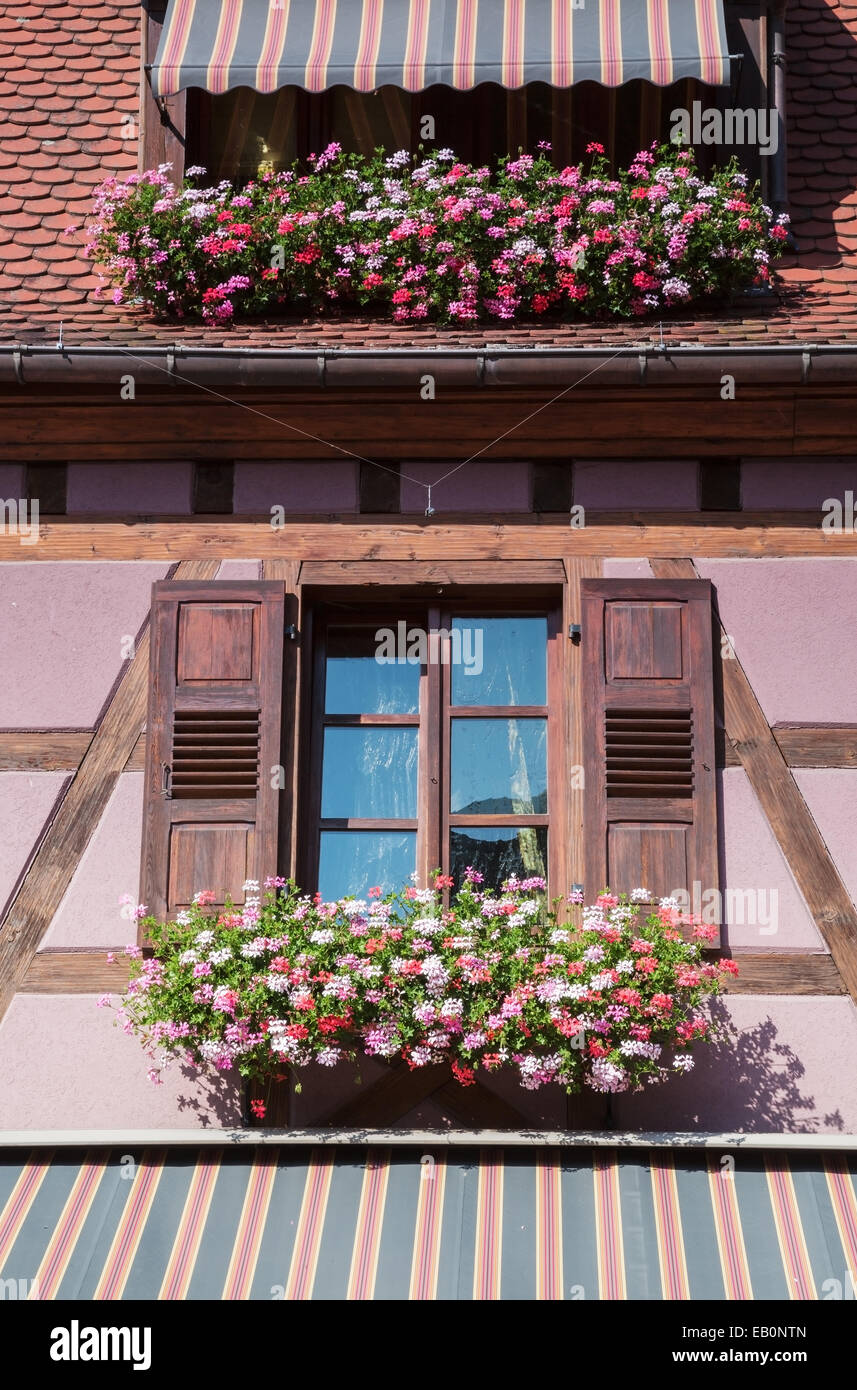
(78, 812)
(781, 800)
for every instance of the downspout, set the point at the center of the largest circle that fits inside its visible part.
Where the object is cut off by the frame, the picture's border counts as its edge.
(777, 59)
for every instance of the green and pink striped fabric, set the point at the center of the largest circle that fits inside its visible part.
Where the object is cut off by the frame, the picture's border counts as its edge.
(413, 44)
(344, 1222)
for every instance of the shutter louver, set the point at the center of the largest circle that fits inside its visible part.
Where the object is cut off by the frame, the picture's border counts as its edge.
(213, 737)
(650, 795)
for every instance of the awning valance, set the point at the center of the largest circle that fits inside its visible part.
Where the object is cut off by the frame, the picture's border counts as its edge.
(358, 1222)
(413, 44)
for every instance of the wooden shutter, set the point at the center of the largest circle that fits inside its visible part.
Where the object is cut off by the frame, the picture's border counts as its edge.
(650, 817)
(210, 815)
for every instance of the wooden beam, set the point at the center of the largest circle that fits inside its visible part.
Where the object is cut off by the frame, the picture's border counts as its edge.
(55, 750)
(60, 750)
(788, 815)
(75, 820)
(397, 573)
(76, 972)
(824, 745)
(785, 972)
(441, 542)
(576, 569)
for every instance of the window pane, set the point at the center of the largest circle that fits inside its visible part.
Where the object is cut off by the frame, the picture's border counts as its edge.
(370, 772)
(498, 852)
(353, 861)
(499, 766)
(357, 683)
(499, 661)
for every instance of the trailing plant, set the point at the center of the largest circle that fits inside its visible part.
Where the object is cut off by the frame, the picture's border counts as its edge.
(492, 980)
(429, 237)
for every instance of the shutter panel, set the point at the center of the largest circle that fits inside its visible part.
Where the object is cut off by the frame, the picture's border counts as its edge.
(650, 815)
(210, 815)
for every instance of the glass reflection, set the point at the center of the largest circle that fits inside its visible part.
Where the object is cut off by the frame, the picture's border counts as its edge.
(499, 661)
(497, 852)
(499, 766)
(357, 683)
(370, 772)
(353, 861)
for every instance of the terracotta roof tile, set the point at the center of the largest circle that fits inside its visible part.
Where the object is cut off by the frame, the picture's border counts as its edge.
(69, 77)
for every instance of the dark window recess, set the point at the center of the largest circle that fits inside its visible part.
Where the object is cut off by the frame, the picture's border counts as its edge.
(720, 485)
(242, 134)
(380, 488)
(552, 487)
(212, 488)
(46, 484)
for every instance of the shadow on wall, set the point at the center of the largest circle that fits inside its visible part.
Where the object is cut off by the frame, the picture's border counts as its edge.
(215, 1099)
(745, 1081)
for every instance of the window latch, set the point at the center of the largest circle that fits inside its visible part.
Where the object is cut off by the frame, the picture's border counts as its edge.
(574, 633)
(166, 781)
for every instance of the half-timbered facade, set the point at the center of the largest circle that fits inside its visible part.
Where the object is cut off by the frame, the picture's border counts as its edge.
(640, 518)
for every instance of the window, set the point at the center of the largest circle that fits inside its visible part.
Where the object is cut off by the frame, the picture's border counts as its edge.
(428, 736)
(433, 745)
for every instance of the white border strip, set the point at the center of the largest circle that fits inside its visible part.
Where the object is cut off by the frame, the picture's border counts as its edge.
(430, 1138)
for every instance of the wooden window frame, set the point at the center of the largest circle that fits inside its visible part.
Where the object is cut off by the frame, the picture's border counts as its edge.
(434, 716)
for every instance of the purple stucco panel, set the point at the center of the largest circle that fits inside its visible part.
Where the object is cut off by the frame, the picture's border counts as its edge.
(90, 914)
(63, 630)
(763, 909)
(627, 569)
(26, 799)
(239, 569)
(831, 795)
(12, 481)
(791, 623)
(321, 487)
(643, 484)
(801, 484)
(783, 1065)
(479, 487)
(135, 489)
(81, 1072)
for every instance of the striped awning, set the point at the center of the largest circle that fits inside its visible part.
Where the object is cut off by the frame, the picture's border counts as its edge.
(365, 44)
(361, 1223)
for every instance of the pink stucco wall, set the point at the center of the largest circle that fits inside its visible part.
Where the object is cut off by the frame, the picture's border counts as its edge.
(769, 914)
(89, 914)
(801, 484)
(26, 799)
(65, 1066)
(298, 487)
(62, 627)
(142, 489)
(791, 623)
(620, 486)
(481, 486)
(783, 1065)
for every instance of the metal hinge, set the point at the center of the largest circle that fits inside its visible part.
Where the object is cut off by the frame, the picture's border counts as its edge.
(291, 632)
(574, 632)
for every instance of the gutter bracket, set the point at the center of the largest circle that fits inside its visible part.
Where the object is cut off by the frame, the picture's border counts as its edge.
(805, 367)
(480, 370)
(171, 365)
(321, 362)
(18, 363)
(643, 361)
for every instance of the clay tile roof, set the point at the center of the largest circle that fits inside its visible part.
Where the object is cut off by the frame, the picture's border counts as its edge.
(69, 75)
